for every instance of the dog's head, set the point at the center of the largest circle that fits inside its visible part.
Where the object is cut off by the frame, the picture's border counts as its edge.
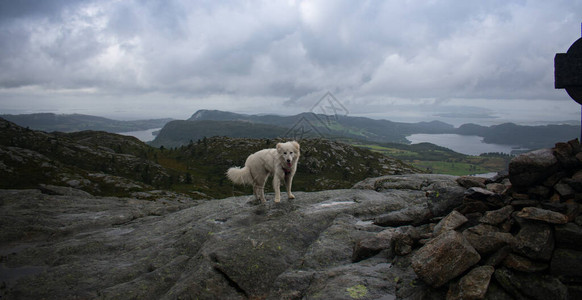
(288, 153)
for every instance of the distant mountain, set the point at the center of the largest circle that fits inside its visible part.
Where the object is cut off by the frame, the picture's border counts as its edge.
(529, 137)
(178, 133)
(384, 131)
(304, 125)
(357, 128)
(77, 122)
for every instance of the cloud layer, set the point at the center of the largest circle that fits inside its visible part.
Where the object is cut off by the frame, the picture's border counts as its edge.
(280, 55)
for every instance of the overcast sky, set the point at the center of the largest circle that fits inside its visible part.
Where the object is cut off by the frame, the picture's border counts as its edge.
(457, 61)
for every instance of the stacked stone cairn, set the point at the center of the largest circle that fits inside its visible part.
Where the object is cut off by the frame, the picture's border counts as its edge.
(515, 236)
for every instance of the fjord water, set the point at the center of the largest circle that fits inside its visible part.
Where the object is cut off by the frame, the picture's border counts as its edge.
(465, 144)
(143, 135)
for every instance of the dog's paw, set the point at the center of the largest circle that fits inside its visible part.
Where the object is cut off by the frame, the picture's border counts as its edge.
(291, 196)
(277, 199)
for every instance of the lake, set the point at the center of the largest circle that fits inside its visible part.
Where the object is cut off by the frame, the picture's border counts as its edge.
(465, 144)
(142, 135)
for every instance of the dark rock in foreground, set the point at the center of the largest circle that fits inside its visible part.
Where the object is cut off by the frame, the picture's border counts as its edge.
(80, 246)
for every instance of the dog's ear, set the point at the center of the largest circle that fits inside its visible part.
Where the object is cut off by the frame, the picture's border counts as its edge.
(279, 147)
(295, 144)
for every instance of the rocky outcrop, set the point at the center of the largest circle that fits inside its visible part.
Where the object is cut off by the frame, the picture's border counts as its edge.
(417, 236)
(519, 234)
(60, 243)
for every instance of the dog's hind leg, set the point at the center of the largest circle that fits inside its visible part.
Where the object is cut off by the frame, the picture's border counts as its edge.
(259, 192)
(259, 188)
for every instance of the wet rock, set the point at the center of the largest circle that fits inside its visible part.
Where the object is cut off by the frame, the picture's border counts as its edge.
(107, 247)
(496, 292)
(529, 286)
(522, 264)
(471, 181)
(498, 257)
(498, 216)
(569, 236)
(403, 244)
(371, 246)
(497, 188)
(535, 241)
(63, 191)
(539, 192)
(548, 216)
(474, 285)
(478, 193)
(450, 222)
(443, 258)
(487, 239)
(532, 168)
(566, 262)
(407, 216)
(564, 190)
(565, 155)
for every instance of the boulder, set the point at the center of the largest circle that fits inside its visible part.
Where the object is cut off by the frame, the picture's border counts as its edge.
(566, 262)
(529, 286)
(471, 181)
(371, 246)
(416, 215)
(538, 214)
(569, 236)
(498, 216)
(444, 258)
(498, 256)
(487, 239)
(532, 168)
(535, 241)
(522, 264)
(450, 222)
(474, 285)
(565, 155)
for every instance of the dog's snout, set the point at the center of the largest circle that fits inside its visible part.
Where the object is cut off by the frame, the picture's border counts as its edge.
(288, 160)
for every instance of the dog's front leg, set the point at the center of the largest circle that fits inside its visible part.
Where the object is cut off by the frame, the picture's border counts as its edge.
(288, 183)
(277, 187)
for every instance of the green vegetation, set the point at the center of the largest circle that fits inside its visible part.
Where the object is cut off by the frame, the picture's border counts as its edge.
(324, 164)
(115, 165)
(439, 160)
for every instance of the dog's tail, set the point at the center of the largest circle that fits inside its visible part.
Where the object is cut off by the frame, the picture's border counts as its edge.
(239, 176)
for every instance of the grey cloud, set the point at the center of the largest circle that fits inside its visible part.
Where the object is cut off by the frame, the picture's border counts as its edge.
(366, 50)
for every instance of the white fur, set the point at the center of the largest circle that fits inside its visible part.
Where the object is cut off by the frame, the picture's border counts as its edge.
(281, 162)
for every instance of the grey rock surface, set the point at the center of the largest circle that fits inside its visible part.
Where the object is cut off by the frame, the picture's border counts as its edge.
(82, 246)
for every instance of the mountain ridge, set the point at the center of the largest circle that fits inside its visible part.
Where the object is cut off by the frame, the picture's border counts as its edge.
(385, 131)
(78, 122)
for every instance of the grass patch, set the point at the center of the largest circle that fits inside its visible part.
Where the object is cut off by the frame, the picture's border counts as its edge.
(439, 160)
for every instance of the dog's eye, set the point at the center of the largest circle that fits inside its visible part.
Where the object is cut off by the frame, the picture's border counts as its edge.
(284, 152)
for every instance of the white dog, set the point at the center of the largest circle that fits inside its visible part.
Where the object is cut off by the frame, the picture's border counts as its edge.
(280, 162)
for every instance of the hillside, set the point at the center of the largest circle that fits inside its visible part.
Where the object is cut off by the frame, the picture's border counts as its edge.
(96, 162)
(360, 128)
(77, 122)
(528, 137)
(332, 126)
(323, 164)
(178, 133)
(108, 164)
